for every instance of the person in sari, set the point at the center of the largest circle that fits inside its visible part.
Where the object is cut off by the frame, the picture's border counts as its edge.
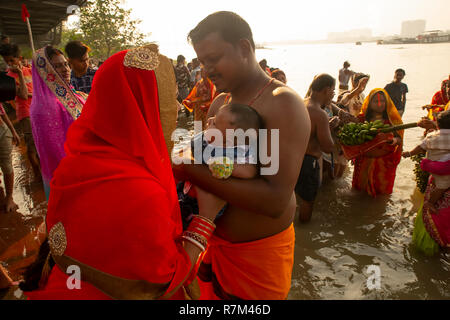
(432, 229)
(376, 175)
(113, 210)
(442, 96)
(55, 106)
(200, 98)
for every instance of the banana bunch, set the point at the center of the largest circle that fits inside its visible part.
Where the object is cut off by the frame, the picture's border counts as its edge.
(421, 176)
(353, 134)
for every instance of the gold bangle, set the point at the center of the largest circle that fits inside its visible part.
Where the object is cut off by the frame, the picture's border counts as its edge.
(196, 236)
(207, 220)
(194, 242)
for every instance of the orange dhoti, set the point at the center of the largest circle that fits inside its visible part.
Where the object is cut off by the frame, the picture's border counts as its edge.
(257, 270)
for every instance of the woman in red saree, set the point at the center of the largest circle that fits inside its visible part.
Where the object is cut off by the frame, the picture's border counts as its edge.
(376, 175)
(113, 211)
(432, 230)
(200, 99)
(442, 97)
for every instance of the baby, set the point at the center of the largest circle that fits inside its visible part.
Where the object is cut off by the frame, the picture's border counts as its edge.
(225, 157)
(437, 146)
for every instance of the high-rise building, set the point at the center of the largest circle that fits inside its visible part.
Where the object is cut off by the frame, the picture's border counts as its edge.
(411, 29)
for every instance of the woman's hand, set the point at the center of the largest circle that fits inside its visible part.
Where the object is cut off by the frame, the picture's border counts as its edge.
(208, 204)
(396, 141)
(406, 154)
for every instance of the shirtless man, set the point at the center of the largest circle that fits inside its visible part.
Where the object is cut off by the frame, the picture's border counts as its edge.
(320, 140)
(263, 207)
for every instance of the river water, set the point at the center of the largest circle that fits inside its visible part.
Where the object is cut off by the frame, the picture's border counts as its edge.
(351, 231)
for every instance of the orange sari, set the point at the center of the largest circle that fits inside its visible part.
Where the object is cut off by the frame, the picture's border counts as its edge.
(200, 99)
(377, 175)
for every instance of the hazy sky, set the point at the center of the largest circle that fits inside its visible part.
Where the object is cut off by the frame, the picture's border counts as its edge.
(291, 19)
(169, 21)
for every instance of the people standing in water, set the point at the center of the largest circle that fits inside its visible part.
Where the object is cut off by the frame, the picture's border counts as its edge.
(24, 84)
(279, 75)
(82, 74)
(344, 76)
(200, 98)
(437, 148)
(442, 97)
(375, 173)
(354, 99)
(8, 138)
(252, 253)
(320, 140)
(124, 249)
(183, 77)
(431, 227)
(54, 108)
(397, 91)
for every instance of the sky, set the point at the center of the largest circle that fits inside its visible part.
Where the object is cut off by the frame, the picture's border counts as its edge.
(169, 21)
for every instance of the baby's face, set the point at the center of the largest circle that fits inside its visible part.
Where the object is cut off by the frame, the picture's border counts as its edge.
(222, 121)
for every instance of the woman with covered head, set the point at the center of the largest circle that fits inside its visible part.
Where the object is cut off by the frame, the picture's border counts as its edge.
(55, 106)
(375, 172)
(113, 211)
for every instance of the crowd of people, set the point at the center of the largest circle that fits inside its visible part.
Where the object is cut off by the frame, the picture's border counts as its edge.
(140, 226)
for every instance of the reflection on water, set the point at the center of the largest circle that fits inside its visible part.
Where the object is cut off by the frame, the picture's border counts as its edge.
(22, 232)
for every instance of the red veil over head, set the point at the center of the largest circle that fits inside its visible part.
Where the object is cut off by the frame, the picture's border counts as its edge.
(114, 193)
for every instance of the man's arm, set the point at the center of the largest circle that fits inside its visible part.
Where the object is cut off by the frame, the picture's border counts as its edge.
(267, 195)
(323, 130)
(22, 90)
(345, 100)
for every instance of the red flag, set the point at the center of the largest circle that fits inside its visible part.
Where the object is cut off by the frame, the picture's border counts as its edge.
(25, 13)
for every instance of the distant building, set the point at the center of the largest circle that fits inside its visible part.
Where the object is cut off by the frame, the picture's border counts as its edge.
(411, 29)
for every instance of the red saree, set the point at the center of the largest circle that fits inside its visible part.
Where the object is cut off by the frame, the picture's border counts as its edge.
(377, 175)
(440, 97)
(114, 194)
(437, 225)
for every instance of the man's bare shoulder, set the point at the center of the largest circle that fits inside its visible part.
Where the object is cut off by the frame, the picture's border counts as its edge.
(284, 97)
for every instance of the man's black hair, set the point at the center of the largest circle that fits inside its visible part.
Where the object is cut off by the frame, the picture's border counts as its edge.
(443, 119)
(322, 81)
(10, 50)
(231, 27)
(181, 58)
(76, 49)
(401, 70)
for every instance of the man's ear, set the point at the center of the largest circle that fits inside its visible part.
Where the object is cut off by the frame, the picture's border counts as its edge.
(246, 47)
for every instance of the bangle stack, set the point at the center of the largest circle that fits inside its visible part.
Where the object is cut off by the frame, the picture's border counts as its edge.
(199, 232)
